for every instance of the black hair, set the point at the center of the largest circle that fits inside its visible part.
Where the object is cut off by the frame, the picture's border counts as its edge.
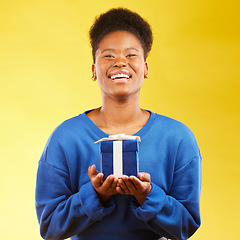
(121, 19)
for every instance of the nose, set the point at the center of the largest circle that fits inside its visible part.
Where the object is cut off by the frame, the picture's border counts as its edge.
(120, 62)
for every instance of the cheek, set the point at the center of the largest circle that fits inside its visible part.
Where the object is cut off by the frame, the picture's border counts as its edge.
(101, 69)
(138, 66)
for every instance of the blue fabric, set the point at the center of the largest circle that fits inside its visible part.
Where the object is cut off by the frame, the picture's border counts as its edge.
(130, 157)
(68, 206)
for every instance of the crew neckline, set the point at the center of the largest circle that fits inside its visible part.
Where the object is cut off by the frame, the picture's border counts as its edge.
(101, 134)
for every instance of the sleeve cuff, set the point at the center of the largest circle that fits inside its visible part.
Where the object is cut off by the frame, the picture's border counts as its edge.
(91, 204)
(152, 206)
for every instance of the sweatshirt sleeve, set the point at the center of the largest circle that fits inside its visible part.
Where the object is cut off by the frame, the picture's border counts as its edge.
(61, 212)
(175, 214)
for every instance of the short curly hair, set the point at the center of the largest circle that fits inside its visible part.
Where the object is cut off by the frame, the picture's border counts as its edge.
(120, 19)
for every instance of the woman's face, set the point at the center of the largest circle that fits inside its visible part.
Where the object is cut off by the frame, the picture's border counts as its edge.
(119, 64)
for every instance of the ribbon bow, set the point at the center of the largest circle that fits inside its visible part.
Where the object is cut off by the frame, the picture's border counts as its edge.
(119, 137)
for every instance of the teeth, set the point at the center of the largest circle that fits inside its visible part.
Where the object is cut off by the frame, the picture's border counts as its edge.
(121, 75)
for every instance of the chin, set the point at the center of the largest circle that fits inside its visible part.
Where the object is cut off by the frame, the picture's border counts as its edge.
(125, 95)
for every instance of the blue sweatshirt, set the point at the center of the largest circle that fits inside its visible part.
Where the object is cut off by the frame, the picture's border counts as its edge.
(67, 204)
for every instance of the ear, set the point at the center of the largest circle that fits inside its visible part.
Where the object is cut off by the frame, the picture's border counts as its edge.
(145, 70)
(94, 75)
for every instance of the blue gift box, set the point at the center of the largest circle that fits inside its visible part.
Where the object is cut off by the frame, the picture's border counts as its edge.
(119, 157)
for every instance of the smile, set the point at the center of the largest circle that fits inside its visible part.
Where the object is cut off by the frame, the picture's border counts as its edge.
(120, 76)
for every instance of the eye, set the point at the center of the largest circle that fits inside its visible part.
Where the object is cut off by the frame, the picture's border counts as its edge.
(131, 55)
(108, 56)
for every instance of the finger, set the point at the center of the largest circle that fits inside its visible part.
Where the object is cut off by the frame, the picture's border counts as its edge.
(145, 177)
(97, 180)
(114, 183)
(110, 182)
(123, 186)
(123, 180)
(136, 182)
(120, 190)
(130, 186)
(141, 186)
(109, 185)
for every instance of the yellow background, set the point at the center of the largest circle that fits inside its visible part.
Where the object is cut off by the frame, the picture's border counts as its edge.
(45, 78)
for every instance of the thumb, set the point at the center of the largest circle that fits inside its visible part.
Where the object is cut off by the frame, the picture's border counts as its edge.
(91, 171)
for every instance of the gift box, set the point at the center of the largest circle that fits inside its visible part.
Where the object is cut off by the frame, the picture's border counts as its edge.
(119, 155)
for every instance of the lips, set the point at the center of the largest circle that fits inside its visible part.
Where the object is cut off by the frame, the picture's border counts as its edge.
(121, 76)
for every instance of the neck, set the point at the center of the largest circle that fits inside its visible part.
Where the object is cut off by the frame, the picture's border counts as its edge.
(121, 115)
(120, 112)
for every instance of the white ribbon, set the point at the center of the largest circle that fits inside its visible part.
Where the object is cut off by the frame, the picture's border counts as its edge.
(117, 159)
(119, 137)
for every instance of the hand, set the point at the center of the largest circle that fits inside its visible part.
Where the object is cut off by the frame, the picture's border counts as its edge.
(105, 189)
(139, 187)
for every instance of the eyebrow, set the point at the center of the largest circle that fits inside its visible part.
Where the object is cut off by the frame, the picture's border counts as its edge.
(132, 48)
(108, 49)
(111, 49)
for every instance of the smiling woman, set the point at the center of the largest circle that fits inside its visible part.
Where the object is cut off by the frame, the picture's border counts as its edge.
(73, 199)
(119, 66)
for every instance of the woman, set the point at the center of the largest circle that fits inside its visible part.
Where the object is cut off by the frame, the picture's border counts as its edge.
(72, 200)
